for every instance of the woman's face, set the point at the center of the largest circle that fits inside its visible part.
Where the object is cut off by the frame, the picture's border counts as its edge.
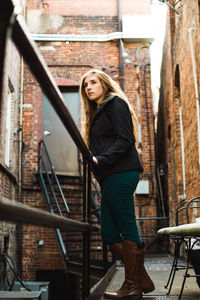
(93, 88)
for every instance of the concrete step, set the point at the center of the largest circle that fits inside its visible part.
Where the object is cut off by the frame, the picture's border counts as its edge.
(19, 295)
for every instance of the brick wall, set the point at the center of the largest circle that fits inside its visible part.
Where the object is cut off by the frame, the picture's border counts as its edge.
(9, 145)
(67, 63)
(177, 76)
(88, 8)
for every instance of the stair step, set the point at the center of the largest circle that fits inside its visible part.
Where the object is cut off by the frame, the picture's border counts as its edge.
(19, 295)
(97, 290)
(96, 269)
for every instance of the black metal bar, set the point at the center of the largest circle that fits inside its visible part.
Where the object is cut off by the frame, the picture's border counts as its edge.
(60, 190)
(95, 187)
(46, 194)
(16, 212)
(51, 187)
(86, 235)
(40, 158)
(105, 257)
(96, 208)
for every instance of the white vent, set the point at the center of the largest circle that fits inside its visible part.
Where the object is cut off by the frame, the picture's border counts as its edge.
(142, 187)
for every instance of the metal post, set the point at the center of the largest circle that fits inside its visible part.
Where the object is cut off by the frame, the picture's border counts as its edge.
(86, 235)
(105, 257)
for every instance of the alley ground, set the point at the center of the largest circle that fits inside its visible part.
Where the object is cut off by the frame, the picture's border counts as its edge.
(159, 267)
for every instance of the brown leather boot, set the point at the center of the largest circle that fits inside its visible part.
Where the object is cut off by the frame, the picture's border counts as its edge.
(132, 263)
(146, 283)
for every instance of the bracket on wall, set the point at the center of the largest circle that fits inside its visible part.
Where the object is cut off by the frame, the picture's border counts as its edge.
(170, 5)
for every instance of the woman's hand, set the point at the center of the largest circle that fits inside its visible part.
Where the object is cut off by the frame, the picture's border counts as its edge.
(95, 160)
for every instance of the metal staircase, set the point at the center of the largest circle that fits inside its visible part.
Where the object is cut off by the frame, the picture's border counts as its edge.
(56, 189)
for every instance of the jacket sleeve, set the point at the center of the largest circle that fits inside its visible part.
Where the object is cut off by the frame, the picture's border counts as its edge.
(120, 117)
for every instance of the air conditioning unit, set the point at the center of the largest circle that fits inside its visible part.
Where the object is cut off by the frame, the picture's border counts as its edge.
(138, 28)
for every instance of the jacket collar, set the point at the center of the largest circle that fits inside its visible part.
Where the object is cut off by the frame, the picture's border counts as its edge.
(101, 107)
(104, 104)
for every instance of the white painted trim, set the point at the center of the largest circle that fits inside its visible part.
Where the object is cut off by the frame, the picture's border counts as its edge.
(86, 37)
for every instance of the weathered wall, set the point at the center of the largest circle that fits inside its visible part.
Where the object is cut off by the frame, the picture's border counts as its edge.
(89, 8)
(9, 144)
(177, 90)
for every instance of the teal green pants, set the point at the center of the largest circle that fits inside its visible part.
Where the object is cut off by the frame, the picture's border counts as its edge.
(118, 220)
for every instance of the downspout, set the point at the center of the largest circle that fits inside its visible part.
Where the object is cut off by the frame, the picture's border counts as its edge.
(182, 148)
(121, 64)
(21, 143)
(20, 229)
(190, 31)
(145, 65)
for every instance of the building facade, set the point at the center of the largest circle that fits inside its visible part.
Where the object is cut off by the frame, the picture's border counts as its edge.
(178, 118)
(10, 153)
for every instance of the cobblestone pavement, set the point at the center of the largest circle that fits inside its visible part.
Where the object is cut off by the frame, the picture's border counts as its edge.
(159, 268)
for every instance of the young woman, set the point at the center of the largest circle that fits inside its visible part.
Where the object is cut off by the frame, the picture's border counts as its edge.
(109, 133)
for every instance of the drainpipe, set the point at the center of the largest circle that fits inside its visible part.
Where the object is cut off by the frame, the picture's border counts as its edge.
(191, 31)
(20, 231)
(20, 228)
(182, 148)
(121, 64)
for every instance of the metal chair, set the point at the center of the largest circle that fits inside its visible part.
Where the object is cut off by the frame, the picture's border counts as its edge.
(183, 212)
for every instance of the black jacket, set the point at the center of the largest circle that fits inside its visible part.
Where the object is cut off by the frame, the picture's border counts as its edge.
(112, 140)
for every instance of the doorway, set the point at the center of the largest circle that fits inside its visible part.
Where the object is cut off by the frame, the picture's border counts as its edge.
(62, 286)
(61, 148)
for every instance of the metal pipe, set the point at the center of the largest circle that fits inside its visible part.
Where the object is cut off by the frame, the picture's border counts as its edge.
(39, 37)
(190, 31)
(21, 144)
(15, 212)
(121, 61)
(86, 235)
(182, 149)
(20, 231)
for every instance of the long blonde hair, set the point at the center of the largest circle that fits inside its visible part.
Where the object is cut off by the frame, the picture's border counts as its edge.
(111, 88)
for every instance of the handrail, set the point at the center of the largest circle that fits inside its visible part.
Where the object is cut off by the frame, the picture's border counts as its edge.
(16, 212)
(40, 159)
(27, 47)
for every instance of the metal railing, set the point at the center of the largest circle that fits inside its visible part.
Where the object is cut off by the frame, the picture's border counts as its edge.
(96, 191)
(50, 196)
(52, 177)
(13, 27)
